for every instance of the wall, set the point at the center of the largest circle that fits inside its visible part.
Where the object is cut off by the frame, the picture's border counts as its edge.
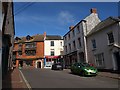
(102, 45)
(57, 47)
(39, 51)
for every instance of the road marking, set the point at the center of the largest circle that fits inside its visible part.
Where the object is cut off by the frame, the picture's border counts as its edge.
(26, 82)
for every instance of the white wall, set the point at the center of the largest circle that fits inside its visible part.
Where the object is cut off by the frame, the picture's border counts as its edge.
(57, 47)
(85, 27)
(102, 45)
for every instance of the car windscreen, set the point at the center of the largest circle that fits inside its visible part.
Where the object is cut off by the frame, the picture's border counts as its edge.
(85, 65)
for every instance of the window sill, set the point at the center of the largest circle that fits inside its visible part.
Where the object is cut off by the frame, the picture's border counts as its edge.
(94, 49)
(110, 44)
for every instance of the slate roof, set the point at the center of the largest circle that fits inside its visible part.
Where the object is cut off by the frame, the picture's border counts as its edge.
(53, 37)
(103, 24)
(34, 38)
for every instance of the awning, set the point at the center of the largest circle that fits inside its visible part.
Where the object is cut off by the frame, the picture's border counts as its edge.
(53, 57)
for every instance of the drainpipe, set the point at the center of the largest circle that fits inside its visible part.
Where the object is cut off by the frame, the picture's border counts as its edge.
(44, 49)
(85, 41)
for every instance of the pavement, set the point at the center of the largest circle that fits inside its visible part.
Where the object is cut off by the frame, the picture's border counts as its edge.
(15, 79)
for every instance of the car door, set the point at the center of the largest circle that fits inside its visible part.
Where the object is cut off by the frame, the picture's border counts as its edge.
(78, 68)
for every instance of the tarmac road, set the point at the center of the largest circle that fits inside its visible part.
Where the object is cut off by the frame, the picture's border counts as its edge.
(46, 78)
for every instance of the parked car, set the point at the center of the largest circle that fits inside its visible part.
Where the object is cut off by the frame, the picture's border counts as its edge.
(57, 66)
(48, 67)
(84, 69)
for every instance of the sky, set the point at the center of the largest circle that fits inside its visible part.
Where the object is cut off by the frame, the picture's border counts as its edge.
(55, 18)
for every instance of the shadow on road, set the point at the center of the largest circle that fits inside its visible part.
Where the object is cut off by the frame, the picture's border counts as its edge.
(82, 75)
(6, 81)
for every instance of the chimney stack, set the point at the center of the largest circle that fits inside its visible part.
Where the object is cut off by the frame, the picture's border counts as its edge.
(71, 27)
(44, 34)
(93, 10)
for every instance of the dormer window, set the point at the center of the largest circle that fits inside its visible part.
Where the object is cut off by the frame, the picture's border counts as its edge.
(28, 37)
(17, 39)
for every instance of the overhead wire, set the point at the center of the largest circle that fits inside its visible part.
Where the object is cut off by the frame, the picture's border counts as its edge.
(21, 9)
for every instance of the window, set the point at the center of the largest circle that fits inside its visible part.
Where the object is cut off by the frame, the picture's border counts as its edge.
(73, 33)
(61, 52)
(65, 38)
(74, 45)
(69, 46)
(99, 58)
(79, 42)
(20, 46)
(30, 52)
(66, 49)
(52, 43)
(110, 38)
(52, 53)
(94, 43)
(28, 37)
(19, 53)
(69, 35)
(30, 45)
(60, 43)
(78, 29)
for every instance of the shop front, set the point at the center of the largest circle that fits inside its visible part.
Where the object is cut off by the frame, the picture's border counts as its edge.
(30, 63)
(70, 58)
(49, 60)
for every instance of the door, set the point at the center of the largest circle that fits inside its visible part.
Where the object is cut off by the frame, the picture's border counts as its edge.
(38, 64)
(117, 60)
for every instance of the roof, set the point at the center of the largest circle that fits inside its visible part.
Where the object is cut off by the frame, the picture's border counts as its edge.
(34, 38)
(103, 24)
(53, 37)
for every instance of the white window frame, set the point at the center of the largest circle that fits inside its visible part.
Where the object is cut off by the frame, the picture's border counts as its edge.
(109, 39)
(99, 58)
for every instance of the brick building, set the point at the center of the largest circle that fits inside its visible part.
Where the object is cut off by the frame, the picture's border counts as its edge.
(29, 51)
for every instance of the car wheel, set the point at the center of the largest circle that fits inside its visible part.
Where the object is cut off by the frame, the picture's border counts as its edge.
(72, 71)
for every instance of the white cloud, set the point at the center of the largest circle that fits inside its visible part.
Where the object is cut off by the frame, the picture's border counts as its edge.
(65, 17)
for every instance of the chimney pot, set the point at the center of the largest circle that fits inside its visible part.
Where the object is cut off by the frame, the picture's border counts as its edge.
(93, 10)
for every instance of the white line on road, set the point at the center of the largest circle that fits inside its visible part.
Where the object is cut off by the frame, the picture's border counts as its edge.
(26, 82)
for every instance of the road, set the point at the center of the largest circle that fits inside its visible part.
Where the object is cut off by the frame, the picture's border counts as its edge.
(46, 78)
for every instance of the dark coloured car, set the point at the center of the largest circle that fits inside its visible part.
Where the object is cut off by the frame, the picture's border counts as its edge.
(83, 69)
(57, 66)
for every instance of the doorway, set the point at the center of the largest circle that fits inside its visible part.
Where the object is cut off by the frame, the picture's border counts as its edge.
(117, 60)
(38, 64)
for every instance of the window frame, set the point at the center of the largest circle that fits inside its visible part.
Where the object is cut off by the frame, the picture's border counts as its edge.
(94, 45)
(52, 43)
(52, 53)
(109, 38)
(99, 60)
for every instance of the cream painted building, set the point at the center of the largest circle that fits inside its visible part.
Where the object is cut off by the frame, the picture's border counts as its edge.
(53, 49)
(103, 44)
(75, 48)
